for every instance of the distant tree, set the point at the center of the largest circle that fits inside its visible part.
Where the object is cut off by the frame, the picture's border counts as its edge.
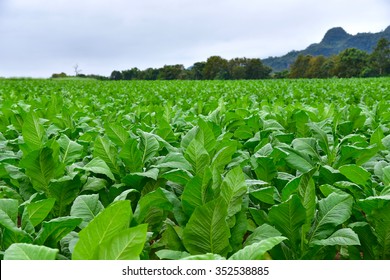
(300, 67)
(351, 63)
(60, 75)
(149, 74)
(131, 74)
(328, 68)
(237, 68)
(255, 69)
(314, 69)
(196, 71)
(172, 72)
(116, 75)
(216, 68)
(380, 57)
(77, 71)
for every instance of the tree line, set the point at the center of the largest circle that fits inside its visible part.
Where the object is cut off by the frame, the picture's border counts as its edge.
(349, 63)
(215, 68)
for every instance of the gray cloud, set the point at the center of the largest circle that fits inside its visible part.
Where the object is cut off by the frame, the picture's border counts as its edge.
(40, 37)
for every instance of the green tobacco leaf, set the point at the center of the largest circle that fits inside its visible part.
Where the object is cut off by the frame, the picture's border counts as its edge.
(223, 157)
(116, 133)
(369, 204)
(380, 218)
(38, 211)
(102, 228)
(257, 250)
(204, 257)
(10, 208)
(86, 207)
(196, 193)
(264, 168)
(131, 155)
(99, 166)
(197, 156)
(148, 145)
(156, 199)
(126, 245)
(333, 211)
(355, 174)
(288, 217)
(64, 191)
(171, 255)
(20, 251)
(104, 149)
(233, 189)
(174, 161)
(40, 167)
(207, 230)
(265, 194)
(54, 230)
(261, 233)
(70, 150)
(297, 160)
(33, 132)
(206, 136)
(342, 237)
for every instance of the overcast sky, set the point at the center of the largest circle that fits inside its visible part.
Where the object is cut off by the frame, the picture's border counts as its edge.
(41, 37)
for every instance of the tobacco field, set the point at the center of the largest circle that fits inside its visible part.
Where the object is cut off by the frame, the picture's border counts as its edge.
(241, 170)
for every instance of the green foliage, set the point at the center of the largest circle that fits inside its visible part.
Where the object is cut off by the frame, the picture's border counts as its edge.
(286, 169)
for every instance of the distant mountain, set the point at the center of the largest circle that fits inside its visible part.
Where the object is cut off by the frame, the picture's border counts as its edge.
(334, 41)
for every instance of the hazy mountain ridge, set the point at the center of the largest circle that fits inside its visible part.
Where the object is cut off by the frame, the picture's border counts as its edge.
(335, 40)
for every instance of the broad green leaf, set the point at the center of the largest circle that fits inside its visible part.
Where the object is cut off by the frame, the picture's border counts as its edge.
(196, 193)
(288, 217)
(264, 168)
(380, 218)
(233, 189)
(103, 149)
(54, 230)
(132, 155)
(116, 133)
(171, 255)
(70, 150)
(40, 167)
(38, 211)
(21, 251)
(333, 211)
(153, 200)
(261, 233)
(126, 245)
(94, 184)
(204, 257)
(99, 166)
(206, 136)
(148, 145)
(257, 250)
(33, 132)
(174, 161)
(10, 208)
(386, 176)
(369, 204)
(355, 174)
(223, 157)
(265, 194)
(297, 160)
(307, 194)
(178, 176)
(207, 230)
(102, 228)
(170, 238)
(64, 191)
(197, 156)
(342, 237)
(86, 207)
